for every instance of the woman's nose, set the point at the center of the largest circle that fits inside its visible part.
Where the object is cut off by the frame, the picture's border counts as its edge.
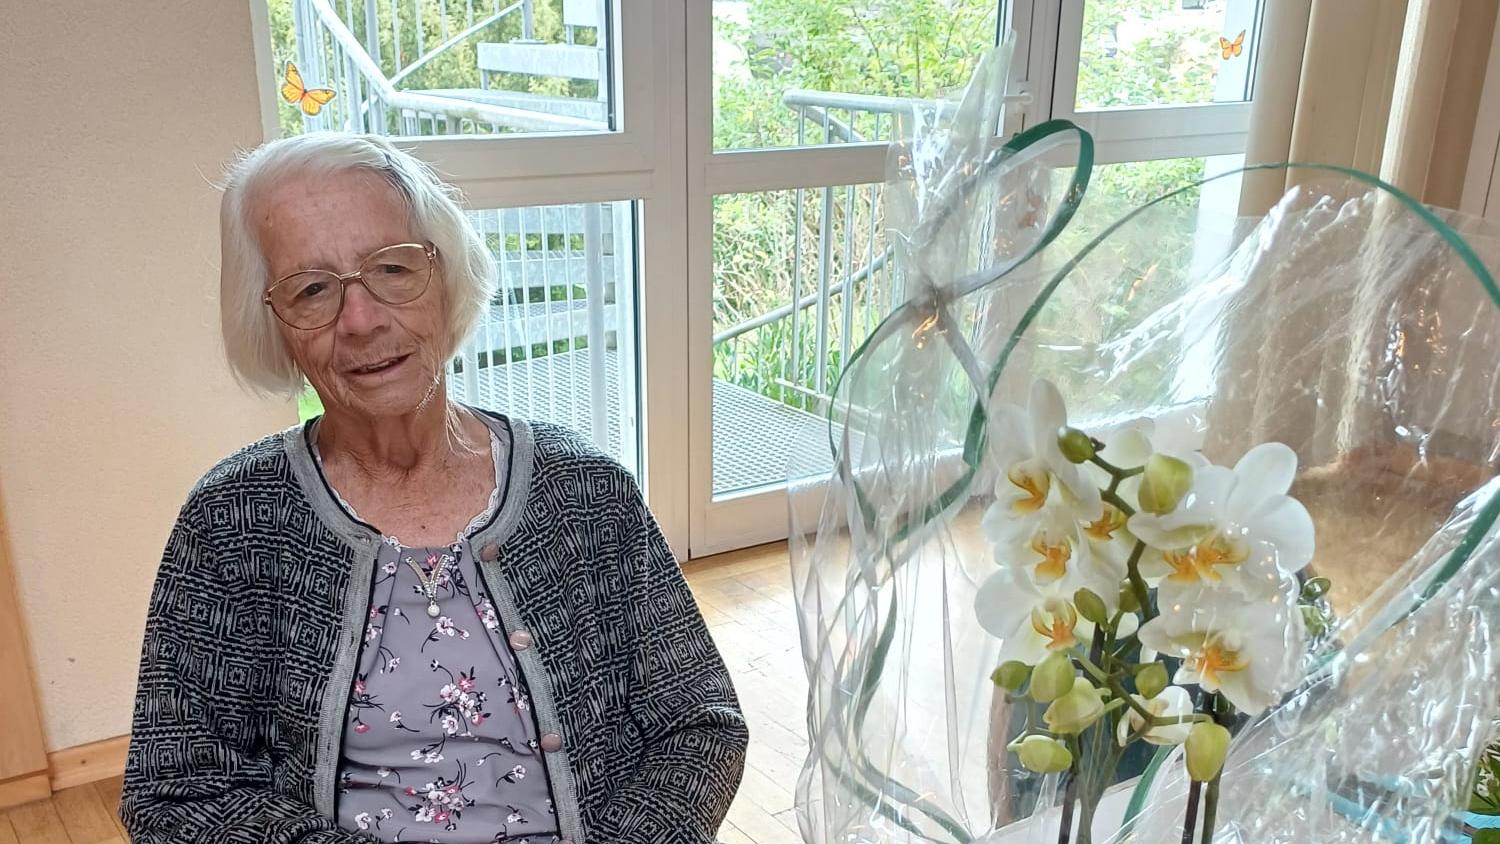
(362, 312)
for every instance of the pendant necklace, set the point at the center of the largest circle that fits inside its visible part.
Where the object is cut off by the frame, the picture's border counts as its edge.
(428, 582)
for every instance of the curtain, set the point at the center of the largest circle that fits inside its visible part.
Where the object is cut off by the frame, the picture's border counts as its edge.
(1391, 89)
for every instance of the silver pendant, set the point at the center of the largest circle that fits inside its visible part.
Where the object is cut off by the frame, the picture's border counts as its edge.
(432, 609)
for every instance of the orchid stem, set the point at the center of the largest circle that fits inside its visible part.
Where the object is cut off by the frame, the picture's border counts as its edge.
(1115, 471)
(1116, 501)
(1190, 823)
(1138, 583)
(1065, 828)
(1211, 800)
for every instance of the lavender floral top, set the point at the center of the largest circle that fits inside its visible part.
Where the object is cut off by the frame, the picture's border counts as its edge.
(439, 741)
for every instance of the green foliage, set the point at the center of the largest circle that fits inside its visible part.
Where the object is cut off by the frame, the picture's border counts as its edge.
(308, 405)
(1486, 798)
(900, 48)
(922, 48)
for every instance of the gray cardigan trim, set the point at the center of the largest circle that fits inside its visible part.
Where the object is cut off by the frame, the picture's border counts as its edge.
(363, 540)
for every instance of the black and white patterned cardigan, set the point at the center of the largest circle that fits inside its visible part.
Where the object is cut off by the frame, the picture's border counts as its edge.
(256, 621)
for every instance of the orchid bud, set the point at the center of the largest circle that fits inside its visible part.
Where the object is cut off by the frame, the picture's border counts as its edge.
(1207, 745)
(1129, 602)
(1011, 675)
(1043, 755)
(1090, 606)
(1315, 620)
(1164, 483)
(1052, 677)
(1315, 588)
(1152, 680)
(1076, 710)
(1075, 445)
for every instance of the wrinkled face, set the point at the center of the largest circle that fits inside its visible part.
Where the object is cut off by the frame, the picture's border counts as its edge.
(375, 360)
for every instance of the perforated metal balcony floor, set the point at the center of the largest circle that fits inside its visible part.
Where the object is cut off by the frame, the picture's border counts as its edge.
(755, 439)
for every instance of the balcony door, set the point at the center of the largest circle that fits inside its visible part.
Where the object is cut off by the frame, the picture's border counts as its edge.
(789, 113)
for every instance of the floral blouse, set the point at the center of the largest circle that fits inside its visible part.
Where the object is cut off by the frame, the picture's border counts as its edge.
(439, 743)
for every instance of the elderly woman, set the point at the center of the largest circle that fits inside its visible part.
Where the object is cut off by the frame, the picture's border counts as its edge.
(408, 619)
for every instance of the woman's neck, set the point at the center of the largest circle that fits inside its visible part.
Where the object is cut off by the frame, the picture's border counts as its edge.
(428, 438)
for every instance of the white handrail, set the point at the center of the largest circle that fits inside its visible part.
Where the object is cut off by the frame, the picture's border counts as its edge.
(438, 50)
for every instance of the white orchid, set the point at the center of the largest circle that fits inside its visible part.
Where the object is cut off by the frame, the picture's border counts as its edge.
(1056, 553)
(1028, 623)
(1023, 447)
(1171, 702)
(1031, 622)
(1108, 536)
(1250, 652)
(1236, 527)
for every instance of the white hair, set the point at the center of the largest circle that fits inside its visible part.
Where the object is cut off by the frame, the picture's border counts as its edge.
(258, 356)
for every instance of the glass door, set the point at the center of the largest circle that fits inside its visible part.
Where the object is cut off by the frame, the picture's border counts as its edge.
(789, 115)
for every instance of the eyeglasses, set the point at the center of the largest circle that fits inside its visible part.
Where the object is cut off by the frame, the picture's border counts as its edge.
(395, 275)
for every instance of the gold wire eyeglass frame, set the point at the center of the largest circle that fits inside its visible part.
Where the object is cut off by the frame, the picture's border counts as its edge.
(345, 279)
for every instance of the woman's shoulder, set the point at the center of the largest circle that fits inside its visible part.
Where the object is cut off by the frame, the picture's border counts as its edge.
(560, 453)
(560, 444)
(261, 466)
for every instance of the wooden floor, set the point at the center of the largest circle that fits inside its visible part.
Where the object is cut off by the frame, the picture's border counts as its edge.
(81, 815)
(746, 598)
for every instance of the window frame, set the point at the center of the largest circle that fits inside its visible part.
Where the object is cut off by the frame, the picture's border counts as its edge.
(1045, 76)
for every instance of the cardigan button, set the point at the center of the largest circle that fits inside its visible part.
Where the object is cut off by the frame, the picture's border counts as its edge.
(551, 742)
(489, 553)
(520, 640)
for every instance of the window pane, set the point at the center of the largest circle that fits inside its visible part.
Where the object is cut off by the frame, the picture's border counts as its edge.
(799, 72)
(558, 341)
(822, 249)
(442, 67)
(1165, 53)
(1129, 280)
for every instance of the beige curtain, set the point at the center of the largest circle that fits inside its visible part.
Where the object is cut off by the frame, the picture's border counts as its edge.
(1390, 87)
(1333, 344)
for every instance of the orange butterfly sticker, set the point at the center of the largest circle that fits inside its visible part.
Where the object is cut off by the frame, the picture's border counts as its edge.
(294, 92)
(1230, 49)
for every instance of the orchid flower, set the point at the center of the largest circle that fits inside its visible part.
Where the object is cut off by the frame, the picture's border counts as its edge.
(1171, 702)
(1031, 622)
(1023, 446)
(1234, 527)
(1249, 652)
(1028, 623)
(1059, 558)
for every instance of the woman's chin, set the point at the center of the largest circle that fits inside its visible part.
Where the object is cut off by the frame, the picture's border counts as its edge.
(391, 397)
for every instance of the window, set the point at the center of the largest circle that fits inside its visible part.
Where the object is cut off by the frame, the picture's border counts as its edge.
(418, 68)
(685, 201)
(1150, 79)
(795, 72)
(519, 104)
(1165, 88)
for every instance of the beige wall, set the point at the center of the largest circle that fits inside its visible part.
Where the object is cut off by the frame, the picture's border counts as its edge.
(113, 392)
